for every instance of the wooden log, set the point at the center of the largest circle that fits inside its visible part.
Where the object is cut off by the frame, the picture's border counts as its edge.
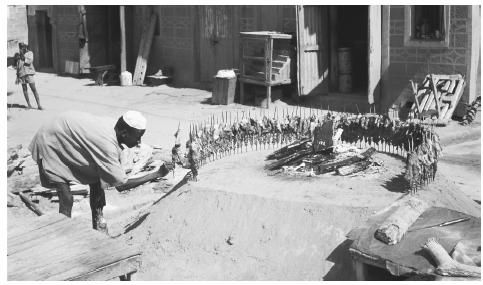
(286, 160)
(447, 266)
(354, 168)
(30, 204)
(396, 225)
(289, 149)
(328, 167)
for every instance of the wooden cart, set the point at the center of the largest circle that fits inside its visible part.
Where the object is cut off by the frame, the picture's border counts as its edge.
(265, 60)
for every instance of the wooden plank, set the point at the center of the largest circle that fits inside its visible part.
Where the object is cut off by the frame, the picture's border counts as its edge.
(66, 249)
(264, 35)
(437, 97)
(374, 53)
(143, 54)
(123, 267)
(457, 95)
(444, 110)
(428, 102)
(122, 20)
(35, 223)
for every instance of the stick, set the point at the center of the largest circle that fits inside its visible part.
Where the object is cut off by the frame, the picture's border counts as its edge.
(30, 204)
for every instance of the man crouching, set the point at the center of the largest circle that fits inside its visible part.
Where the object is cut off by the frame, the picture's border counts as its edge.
(86, 149)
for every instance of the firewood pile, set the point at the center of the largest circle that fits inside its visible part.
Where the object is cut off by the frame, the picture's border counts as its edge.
(306, 138)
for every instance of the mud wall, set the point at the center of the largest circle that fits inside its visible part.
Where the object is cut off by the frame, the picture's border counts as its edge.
(17, 30)
(194, 56)
(408, 62)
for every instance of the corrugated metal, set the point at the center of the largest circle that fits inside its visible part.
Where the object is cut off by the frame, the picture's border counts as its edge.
(312, 33)
(216, 40)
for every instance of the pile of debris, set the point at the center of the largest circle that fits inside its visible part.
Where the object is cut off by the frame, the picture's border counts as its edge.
(471, 111)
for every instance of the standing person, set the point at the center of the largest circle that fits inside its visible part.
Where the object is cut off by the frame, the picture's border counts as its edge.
(25, 73)
(86, 149)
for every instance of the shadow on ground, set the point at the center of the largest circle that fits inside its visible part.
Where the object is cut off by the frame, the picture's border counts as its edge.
(17, 106)
(397, 184)
(342, 269)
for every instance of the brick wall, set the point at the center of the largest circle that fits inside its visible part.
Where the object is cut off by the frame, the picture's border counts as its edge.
(415, 62)
(17, 29)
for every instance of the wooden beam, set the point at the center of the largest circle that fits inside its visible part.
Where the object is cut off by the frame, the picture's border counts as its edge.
(143, 54)
(30, 204)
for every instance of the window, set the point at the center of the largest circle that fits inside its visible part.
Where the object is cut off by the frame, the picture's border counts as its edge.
(426, 26)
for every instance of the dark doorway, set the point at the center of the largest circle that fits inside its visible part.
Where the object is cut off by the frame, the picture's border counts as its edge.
(352, 32)
(44, 39)
(103, 31)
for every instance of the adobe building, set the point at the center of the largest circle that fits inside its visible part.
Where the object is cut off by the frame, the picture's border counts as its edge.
(17, 30)
(389, 45)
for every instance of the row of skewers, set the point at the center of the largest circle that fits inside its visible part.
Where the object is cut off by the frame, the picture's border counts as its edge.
(411, 139)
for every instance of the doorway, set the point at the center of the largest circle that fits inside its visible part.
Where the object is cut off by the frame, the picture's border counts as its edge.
(44, 40)
(218, 33)
(351, 31)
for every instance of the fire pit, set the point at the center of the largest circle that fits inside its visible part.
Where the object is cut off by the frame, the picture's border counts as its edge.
(313, 143)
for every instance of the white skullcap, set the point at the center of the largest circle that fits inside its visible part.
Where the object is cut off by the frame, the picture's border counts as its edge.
(135, 120)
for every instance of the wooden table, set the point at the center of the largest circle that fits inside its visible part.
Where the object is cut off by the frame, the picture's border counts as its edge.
(54, 247)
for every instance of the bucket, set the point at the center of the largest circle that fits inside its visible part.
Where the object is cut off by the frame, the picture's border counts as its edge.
(344, 60)
(224, 88)
(126, 78)
(345, 83)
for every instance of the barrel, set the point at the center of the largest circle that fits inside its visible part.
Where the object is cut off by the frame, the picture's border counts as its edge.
(344, 61)
(345, 83)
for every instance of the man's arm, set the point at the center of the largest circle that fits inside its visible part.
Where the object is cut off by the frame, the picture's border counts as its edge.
(134, 182)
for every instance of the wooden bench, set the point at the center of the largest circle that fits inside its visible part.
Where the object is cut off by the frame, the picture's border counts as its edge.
(100, 72)
(55, 248)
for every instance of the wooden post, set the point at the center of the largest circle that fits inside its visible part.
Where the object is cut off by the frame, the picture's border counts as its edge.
(268, 68)
(360, 269)
(144, 49)
(122, 19)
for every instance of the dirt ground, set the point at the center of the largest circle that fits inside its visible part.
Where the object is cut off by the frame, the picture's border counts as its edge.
(237, 222)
